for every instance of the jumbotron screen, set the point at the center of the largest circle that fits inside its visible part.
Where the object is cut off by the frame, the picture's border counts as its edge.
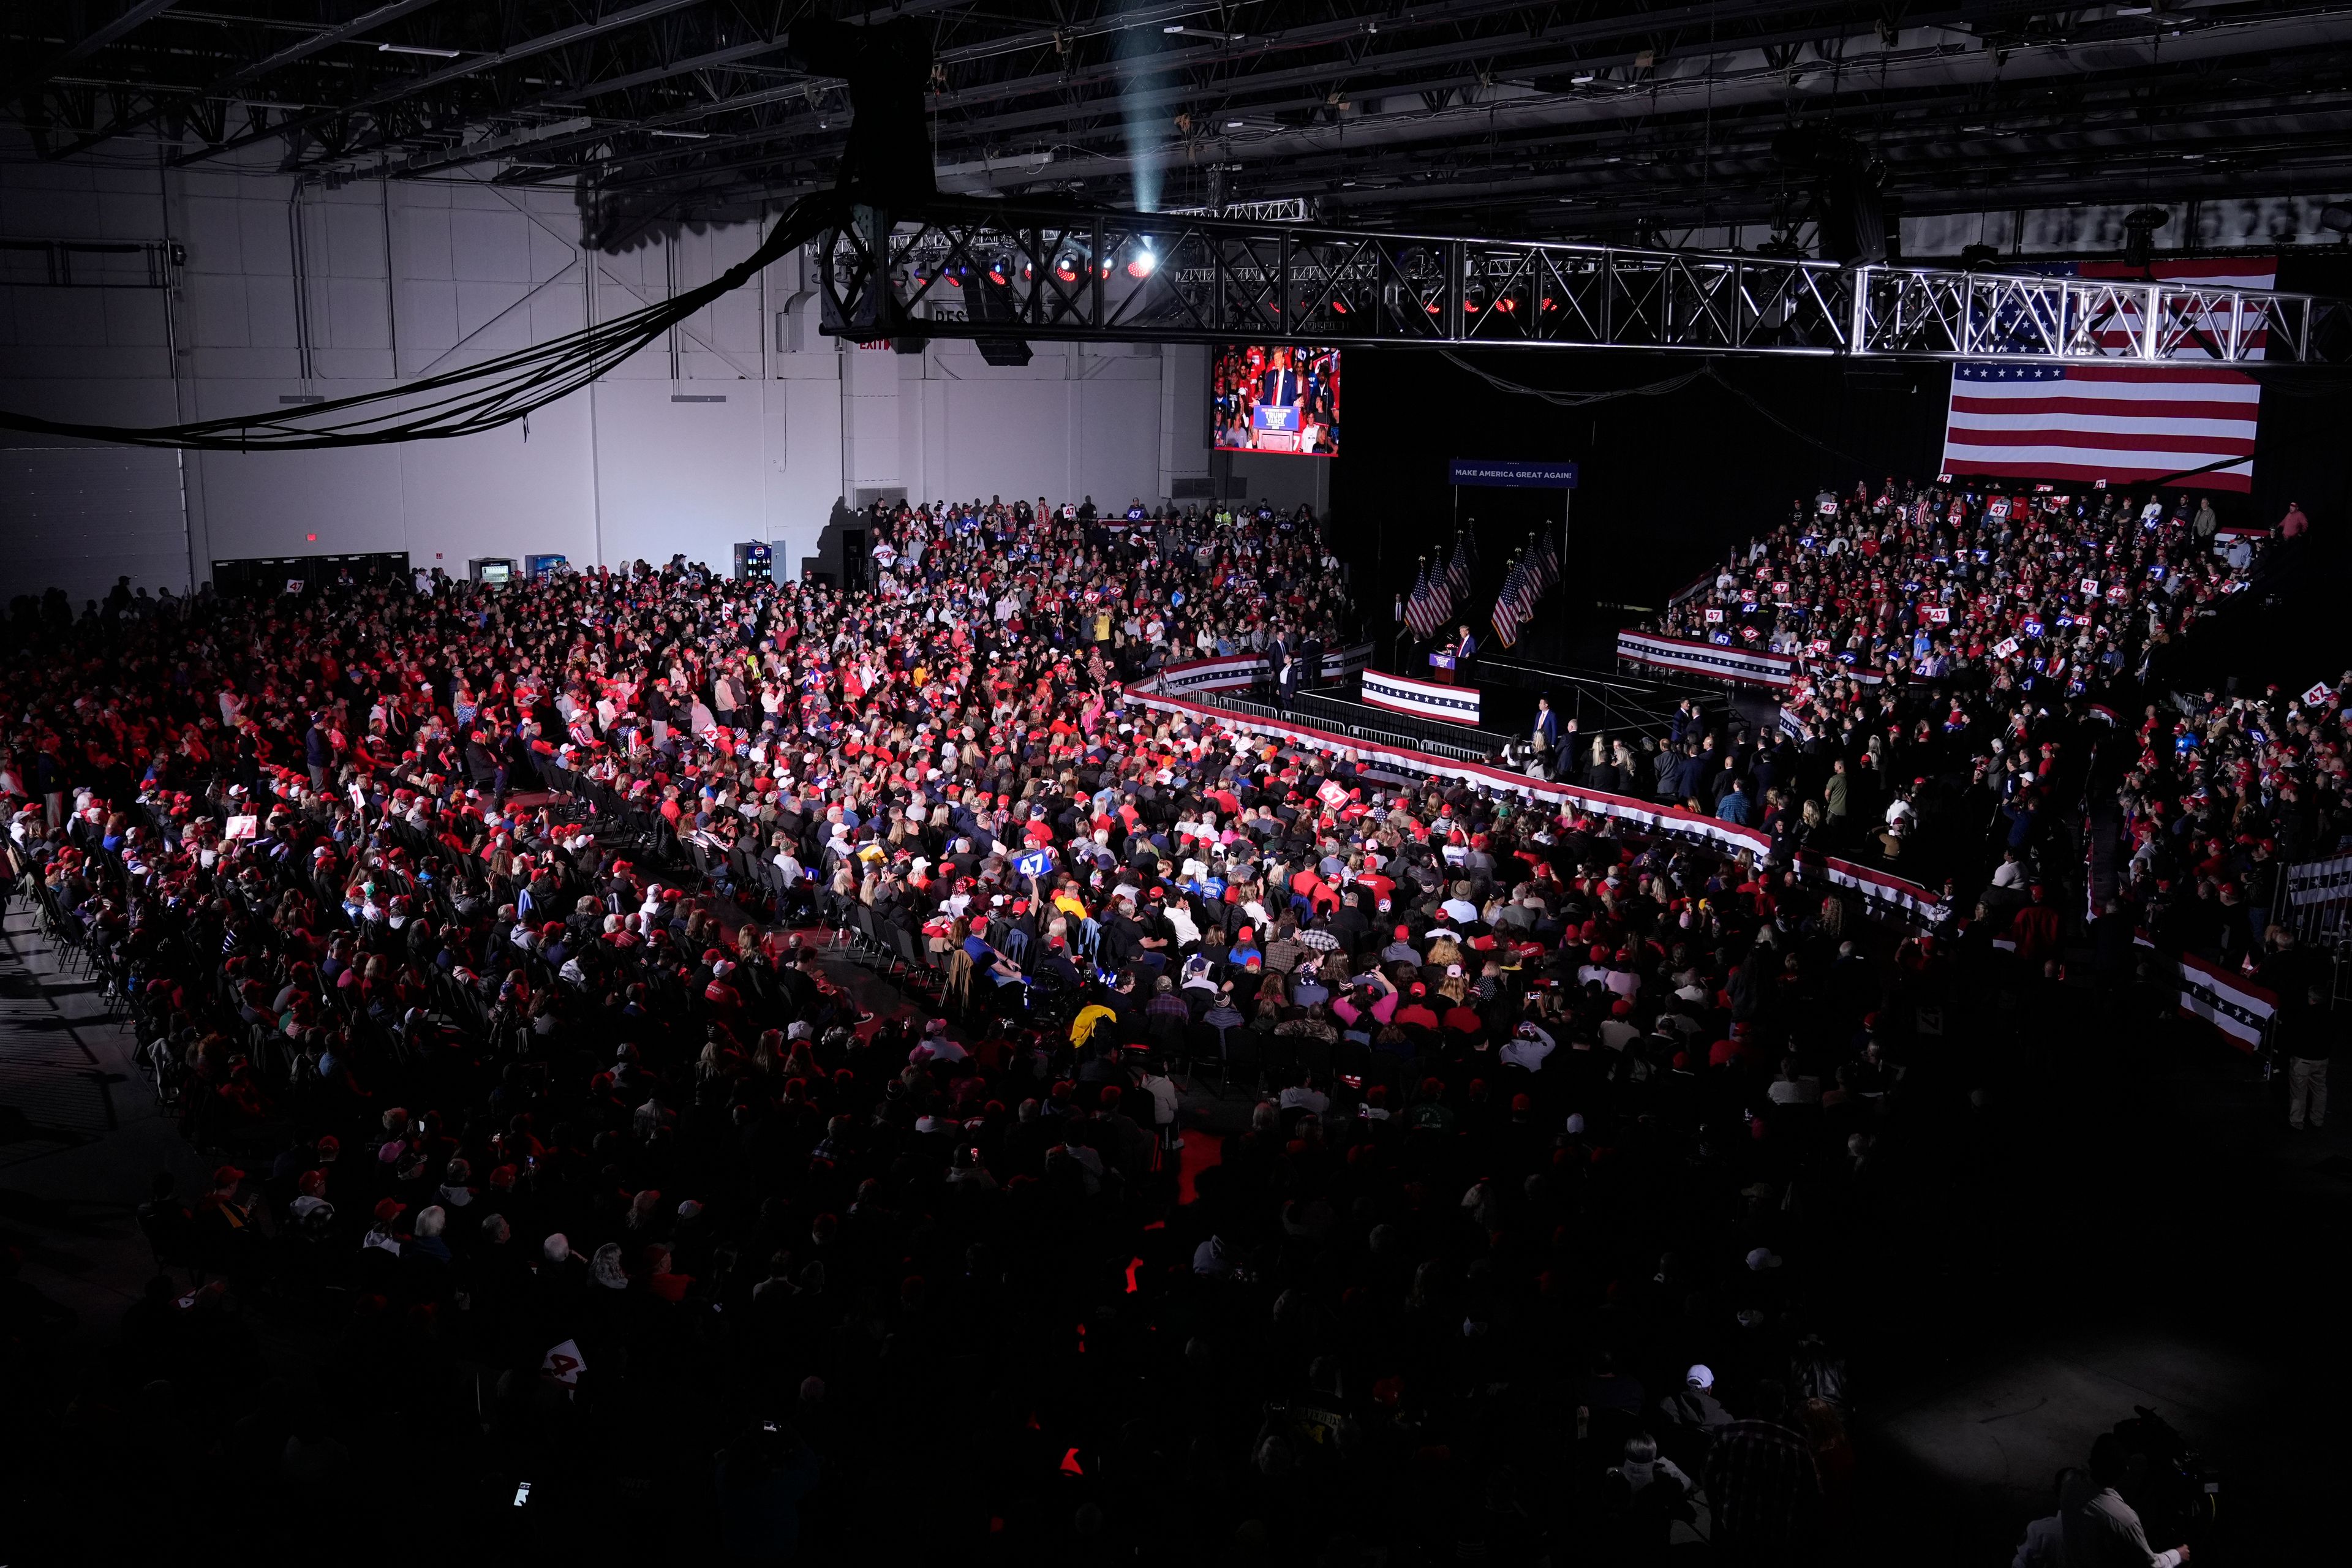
(1279, 398)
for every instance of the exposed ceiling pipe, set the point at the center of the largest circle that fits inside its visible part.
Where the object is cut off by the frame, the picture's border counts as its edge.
(1912, 65)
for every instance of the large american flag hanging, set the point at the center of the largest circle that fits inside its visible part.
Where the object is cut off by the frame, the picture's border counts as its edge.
(2119, 422)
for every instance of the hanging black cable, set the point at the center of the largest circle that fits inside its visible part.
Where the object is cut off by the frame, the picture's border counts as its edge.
(471, 399)
(887, 162)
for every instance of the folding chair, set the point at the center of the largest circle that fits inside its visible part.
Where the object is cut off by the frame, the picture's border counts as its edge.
(1206, 1042)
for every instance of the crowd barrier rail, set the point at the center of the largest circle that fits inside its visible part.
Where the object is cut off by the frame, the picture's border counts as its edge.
(1904, 902)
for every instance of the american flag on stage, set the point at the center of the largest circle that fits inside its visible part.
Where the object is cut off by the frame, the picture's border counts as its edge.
(2116, 421)
(1511, 604)
(1543, 566)
(1441, 595)
(1422, 611)
(1458, 570)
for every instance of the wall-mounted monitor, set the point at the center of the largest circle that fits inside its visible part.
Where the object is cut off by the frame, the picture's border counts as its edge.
(1274, 397)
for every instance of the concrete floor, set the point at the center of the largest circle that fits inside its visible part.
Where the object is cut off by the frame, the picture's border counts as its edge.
(1997, 1431)
(2151, 1235)
(80, 1135)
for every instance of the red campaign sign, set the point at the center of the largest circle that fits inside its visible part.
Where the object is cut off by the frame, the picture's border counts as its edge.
(1714, 617)
(2118, 593)
(1940, 614)
(2090, 587)
(1331, 794)
(1819, 645)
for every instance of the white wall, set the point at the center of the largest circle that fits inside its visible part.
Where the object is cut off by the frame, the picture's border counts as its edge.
(2260, 223)
(78, 517)
(375, 283)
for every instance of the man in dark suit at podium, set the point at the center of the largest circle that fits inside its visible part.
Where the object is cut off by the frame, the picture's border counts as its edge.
(1282, 385)
(1461, 649)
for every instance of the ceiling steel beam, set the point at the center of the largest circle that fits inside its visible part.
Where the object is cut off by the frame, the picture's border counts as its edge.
(1070, 277)
(131, 15)
(1312, 36)
(301, 50)
(579, 95)
(628, 16)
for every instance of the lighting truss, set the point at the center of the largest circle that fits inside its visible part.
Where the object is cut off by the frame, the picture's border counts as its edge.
(1064, 277)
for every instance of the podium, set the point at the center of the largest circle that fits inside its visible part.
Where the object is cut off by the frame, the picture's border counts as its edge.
(1275, 427)
(1444, 667)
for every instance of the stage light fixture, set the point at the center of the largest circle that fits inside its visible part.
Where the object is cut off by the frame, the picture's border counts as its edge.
(1143, 263)
(1068, 264)
(2139, 234)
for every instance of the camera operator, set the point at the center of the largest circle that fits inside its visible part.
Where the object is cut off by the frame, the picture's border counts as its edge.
(2101, 1530)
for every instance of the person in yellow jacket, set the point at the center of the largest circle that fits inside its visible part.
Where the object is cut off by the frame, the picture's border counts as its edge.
(1090, 1016)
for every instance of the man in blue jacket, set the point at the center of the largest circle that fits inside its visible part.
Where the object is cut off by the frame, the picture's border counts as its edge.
(1736, 808)
(319, 751)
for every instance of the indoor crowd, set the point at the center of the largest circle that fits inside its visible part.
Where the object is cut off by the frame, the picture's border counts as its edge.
(1961, 718)
(1254, 1154)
